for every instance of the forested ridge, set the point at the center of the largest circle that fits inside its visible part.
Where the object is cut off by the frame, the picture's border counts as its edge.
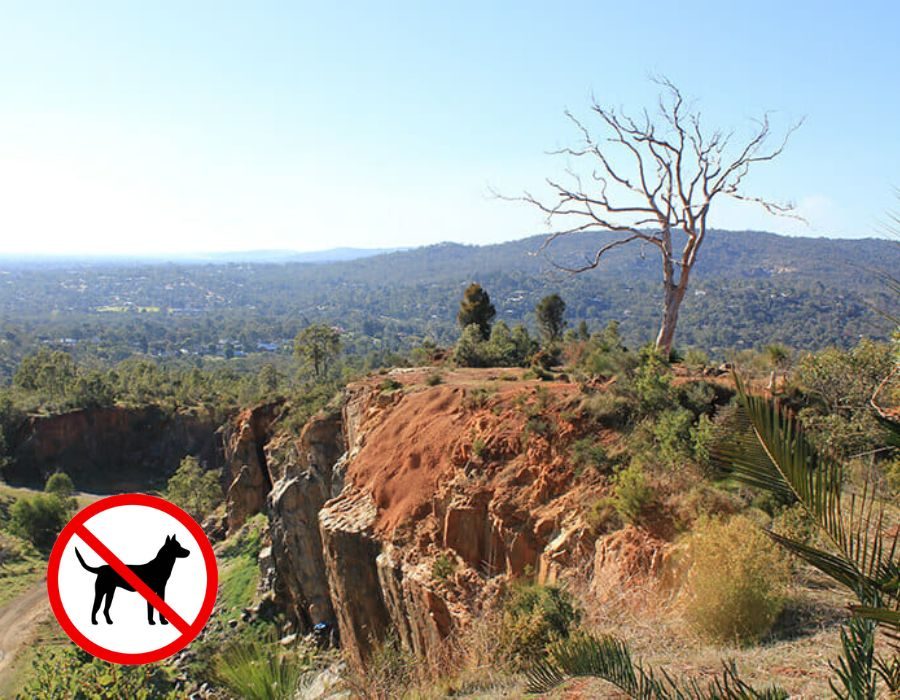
(748, 289)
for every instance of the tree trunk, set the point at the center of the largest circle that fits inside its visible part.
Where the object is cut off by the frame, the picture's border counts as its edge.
(671, 305)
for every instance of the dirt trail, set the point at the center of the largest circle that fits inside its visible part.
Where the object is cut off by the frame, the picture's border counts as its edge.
(19, 620)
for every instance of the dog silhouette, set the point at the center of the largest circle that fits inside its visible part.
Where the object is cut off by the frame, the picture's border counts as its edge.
(155, 573)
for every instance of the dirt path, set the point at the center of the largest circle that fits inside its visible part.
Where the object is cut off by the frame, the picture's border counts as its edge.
(19, 620)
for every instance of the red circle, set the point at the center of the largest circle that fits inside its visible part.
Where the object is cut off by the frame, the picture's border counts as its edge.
(132, 499)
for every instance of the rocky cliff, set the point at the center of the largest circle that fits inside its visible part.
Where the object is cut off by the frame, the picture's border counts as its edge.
(247, 470)
(474, 472)
(112, 449)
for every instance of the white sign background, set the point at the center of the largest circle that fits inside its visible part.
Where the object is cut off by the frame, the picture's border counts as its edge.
(134, 534)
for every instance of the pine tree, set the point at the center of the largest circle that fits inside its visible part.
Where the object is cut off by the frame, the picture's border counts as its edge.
(550, 313)
(476, 308)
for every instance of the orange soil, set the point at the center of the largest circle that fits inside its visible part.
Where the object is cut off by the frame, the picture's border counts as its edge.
(422, 437)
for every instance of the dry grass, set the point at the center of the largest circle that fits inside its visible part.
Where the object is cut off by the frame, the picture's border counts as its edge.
(794, 655)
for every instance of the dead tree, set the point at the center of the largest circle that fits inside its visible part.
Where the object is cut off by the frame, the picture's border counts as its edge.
(653, 180)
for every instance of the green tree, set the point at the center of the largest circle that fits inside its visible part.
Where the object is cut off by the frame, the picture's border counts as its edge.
(50, 372)
(39, 518)
(550, 313)
(196, 491)
(60, 484)
(469, 350)
(316, 346)
(476, 308)
(583, 333)
(267, 379)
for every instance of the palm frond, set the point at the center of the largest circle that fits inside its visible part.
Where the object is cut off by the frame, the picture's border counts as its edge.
(769, 451)
(610, 660)
(855, 669)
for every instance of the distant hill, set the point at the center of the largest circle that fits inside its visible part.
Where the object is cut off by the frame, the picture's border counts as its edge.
(748, 289)
(258, 256)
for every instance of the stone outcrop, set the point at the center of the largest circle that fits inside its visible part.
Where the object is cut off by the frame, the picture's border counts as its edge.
(247, 473)
(113, 448)
(307, 480)
(415, 608)
(364, 503)
(351, 552)
(630, 557)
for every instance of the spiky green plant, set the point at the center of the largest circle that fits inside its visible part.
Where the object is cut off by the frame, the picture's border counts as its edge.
(609, 659)
(767, 450)
(261, 669)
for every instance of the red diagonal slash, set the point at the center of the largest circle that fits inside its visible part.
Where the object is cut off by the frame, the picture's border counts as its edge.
(133, 580)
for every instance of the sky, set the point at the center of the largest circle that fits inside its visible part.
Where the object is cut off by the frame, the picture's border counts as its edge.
(133, 128)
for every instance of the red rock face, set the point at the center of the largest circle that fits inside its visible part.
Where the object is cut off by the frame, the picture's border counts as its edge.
(417, 489)
(111, 449)
(247, 470)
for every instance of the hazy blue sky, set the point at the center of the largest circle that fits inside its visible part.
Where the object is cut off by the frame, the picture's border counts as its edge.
(175, 126)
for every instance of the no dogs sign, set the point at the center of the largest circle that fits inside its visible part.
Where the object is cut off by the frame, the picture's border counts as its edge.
(132, 579)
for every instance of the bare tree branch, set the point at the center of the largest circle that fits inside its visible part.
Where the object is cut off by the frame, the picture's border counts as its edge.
(653, 178)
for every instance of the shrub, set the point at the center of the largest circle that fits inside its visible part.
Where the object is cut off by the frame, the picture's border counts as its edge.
(390, 384)
(12, 548)
(390, 672)
(702, 435)
(536, 425)
(603, 517)
(66, 673)
(261, 669)
(196, 491)
(443, 567)
(672, 436)
(696, 360)
(891, 472)
(697, 397)
(702, 500)
(434, 378)
(587, 452)
(60, 484)
(608, 408)
(476, 398)
(631, 494)
(735, 585)
(534, 616)
(651, 383)
(39, 519)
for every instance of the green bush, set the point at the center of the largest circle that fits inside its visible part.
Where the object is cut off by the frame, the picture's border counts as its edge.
(261, 669)
(390, 384)
(504, 348)
(538, 426)
(196, 491)
(587, 452)
(477, 398)
(631, 493)
(735, 585)
(12, 548)
(603, 517)
(534, 616)
(608, 408)
(71, 674)
(443, 567)
(39, 519)
(672, 437)
(434, 378)
(696, 360)
(651, 383)
(60, 484)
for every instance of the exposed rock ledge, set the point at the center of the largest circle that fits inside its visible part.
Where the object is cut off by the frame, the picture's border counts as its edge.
(364, 502)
